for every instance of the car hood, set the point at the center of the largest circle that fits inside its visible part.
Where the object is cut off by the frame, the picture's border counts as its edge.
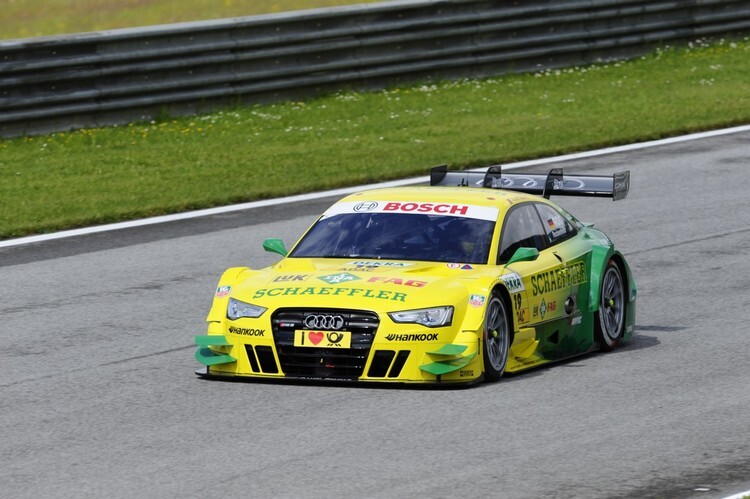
(362, 284)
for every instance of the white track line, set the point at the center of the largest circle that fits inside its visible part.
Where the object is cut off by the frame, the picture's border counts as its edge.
(348, 190)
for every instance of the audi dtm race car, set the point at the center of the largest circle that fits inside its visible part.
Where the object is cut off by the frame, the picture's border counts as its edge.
(440, 284)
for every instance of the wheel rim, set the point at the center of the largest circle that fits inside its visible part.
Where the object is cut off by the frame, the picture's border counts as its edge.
(612, 306)
(497, 335)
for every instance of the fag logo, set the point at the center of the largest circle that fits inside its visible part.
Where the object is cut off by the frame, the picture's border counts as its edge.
(399, 281)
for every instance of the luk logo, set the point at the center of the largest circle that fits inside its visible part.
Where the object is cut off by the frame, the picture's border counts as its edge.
(290, 278)
(338, 278)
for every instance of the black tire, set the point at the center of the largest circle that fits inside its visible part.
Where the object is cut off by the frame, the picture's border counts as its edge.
(496, 338)
(609, 321)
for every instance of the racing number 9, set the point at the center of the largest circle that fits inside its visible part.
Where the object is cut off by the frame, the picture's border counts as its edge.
(518, 302)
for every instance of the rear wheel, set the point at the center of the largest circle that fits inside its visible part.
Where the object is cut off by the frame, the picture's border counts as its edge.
(496, 339)
(610, 319)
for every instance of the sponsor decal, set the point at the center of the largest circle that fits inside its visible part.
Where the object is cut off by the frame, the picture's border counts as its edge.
(561, 278)
(523, 315)
(339, 278)
(462, 266)
(513, 282)
(412, 337)
(247, 332)
(466, 372)
(322, 339)
(551, 224)
(546, 307)
(366, 206)
(223, 291)
(358, 269)
(450, 209)
(440, 208)
(574, 321)
(290, 278)
(376, 264)
(476, 300)
(399, 281)
(330, 291)
(521, 311)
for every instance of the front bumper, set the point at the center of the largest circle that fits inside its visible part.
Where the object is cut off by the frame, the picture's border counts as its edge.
(229, 356)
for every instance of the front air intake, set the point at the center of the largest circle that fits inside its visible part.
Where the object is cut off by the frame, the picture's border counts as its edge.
(324, 363)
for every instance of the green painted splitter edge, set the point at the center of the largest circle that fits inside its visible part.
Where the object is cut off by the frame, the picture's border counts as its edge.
(208, 357)
(450, 349)
(446, 366)
(205, 340)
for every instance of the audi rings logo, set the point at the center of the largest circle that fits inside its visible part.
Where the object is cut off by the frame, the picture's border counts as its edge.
(330, 322)
(366, 206)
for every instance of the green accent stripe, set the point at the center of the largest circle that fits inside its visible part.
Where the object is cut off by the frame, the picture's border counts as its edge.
(211, 339)
(207, 357)
(446, 366)
(450, 349)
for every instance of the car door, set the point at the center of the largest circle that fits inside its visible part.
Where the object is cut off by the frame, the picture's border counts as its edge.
(536, 301)
(564, 290)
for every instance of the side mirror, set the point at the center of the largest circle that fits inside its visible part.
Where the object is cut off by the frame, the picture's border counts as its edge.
(275, 245)
(524, 255)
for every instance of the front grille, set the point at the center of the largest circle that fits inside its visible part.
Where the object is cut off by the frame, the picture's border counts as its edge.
(340, 363)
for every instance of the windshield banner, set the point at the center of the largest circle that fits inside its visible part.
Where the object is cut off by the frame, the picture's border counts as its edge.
(450, 209)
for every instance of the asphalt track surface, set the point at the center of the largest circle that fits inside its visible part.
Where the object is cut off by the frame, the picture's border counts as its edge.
(98, 396)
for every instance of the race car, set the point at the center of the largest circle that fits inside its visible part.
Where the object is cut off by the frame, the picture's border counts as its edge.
(476, 275)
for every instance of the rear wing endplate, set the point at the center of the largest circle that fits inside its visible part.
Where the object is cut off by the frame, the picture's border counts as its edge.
(545, 184)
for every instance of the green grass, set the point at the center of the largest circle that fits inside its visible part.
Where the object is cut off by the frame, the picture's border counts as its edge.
(29, 18)
(93, 176)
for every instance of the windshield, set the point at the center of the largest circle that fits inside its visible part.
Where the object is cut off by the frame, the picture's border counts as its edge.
(398, 236)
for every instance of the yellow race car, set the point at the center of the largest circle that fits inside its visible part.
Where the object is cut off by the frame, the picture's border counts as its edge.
(430, 285)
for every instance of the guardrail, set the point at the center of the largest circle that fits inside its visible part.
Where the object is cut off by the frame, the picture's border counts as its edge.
(112, 77)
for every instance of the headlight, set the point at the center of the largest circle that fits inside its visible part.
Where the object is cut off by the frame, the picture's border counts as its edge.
(237, 309)
(430, 317)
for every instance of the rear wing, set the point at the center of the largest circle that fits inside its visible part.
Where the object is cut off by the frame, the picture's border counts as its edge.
(546, 184)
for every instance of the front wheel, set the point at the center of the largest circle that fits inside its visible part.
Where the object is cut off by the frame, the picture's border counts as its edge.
(610, 319)
(496, 339)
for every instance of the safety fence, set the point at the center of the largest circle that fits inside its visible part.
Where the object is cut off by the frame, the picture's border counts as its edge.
(112, 77)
